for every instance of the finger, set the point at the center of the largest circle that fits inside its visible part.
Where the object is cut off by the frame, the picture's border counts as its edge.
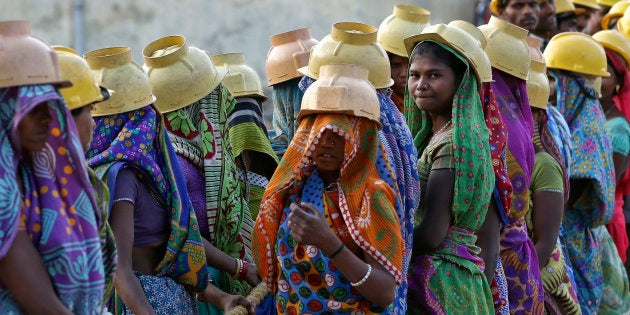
(310, 208)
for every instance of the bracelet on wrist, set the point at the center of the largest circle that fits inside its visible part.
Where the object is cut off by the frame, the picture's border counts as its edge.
(239, 266)
(362, 281)
(337, 251)
(244, 268)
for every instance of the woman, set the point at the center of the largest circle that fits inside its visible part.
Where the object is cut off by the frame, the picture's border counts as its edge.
(591, 193)
(445, 262)
(160, 251)
(316, 238)
(616, 298)
(50, 252)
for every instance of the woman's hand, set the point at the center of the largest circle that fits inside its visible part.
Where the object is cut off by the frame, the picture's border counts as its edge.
(252, 275)
(308, 226)
(231, 301)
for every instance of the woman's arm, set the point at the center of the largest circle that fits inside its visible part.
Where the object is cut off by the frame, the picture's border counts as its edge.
(23, 273)
(437, 212)
(225, 301)
(488, 237)
(125, 280)
(548, 209)
(620, 162)
(223, 262)
(308, 226)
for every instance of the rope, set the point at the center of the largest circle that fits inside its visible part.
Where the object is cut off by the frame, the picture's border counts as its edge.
(256, 296)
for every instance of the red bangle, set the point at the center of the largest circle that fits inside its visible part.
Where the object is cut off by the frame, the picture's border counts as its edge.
(243, 272)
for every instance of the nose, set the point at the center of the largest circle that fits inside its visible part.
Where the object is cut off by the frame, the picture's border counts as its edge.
(327, 139)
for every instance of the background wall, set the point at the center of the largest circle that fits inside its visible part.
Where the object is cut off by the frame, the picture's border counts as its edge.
(215, 26)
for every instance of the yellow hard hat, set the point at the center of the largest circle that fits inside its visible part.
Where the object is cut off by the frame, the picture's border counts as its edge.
(623, 24)
(481, 61)
(84, 90)
(592, 4)
(462, 42)
(616, 11)
(404, 22)
(241, 80)
(615, 41)
(26, 59)
(114, 69)
(607, 3)
(351, 42)
(576, 52)
(180, 74)
(289, 51)
(537, 81)
(563, 6)
(494, 5)
(506, 47)
(342, 88)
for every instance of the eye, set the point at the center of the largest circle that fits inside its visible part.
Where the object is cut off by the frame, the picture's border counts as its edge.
(434, 75)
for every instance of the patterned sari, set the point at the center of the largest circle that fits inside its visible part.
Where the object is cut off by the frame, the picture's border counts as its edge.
(592, 164)
(361, 213)
(200, 134)
(399, 149)
(138, 139)
(518, 253)
(450, 279)
(57, 208)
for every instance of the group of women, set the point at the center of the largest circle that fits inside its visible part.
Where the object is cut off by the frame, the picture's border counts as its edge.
(411, 169)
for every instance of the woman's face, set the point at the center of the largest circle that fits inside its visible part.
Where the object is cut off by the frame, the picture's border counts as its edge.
(399, 66)
(552, 89)
(33, 128)
(432, 84)
(329, 152)
(609, 84)
(85, 125)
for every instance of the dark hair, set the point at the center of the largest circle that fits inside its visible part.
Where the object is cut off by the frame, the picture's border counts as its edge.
(438, 52)
(77, 111)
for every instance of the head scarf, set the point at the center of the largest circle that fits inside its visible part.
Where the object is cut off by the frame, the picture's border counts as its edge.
(199, 133)
(58, 207)
(138, 139)
(517, 116)
(561, 135)
(399, 150)
(287, 97)
(622, 101)
(498, 134)
(474, 176)
(376, 235)
(248, 132)
(592, 155)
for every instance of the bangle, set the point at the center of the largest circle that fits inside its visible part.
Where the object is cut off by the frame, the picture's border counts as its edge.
(239, 267)
(337, 251)
(362, 281)
(243, 271)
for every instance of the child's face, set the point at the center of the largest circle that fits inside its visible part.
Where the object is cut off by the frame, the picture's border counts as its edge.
(329, 152)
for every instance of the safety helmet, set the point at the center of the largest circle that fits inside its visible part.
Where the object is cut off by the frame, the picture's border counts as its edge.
(591, 4)
(615, 41)
(404, 22)
(623, 24)
(241, 80)
(494, 5)
(576, 52)
(342, 88)
(114, 69)
(351, 42)
(537, 81)
(289, 51)
(180, 74)
(84, 90)
(616, 11)
(564, 6)
(506, 47)
(607, 3)
(482, 62)
(26, 59)
(462, 42)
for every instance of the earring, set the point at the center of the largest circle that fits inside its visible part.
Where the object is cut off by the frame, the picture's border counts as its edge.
(617, 87)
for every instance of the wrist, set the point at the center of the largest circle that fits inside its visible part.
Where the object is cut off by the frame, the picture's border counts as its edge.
(331, 247)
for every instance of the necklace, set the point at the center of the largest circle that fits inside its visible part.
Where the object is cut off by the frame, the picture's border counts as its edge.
(443, 127)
